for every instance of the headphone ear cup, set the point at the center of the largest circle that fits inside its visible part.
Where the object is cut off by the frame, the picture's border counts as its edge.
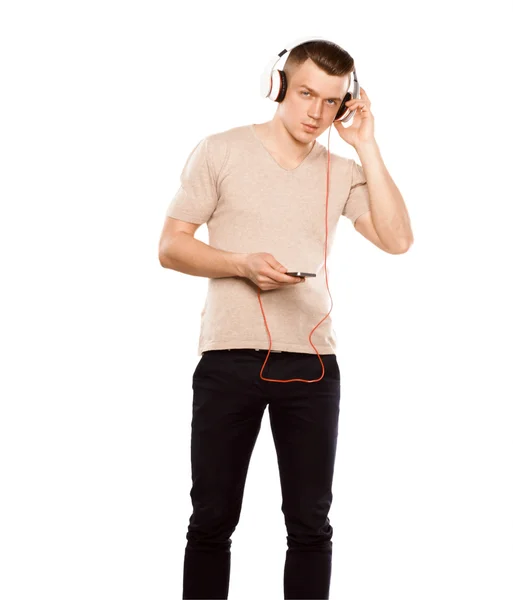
(343, 108)
(283, 86)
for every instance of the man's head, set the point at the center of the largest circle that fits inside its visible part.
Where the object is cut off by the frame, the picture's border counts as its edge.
(318, 77)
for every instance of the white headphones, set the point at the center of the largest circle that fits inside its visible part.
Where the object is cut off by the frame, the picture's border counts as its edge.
(273, 82)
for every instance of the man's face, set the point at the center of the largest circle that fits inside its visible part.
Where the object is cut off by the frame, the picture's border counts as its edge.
(313, 97)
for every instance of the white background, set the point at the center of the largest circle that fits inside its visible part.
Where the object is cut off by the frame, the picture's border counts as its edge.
(101, 104)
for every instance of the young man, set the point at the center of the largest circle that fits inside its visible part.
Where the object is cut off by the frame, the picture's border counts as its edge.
(261, 189)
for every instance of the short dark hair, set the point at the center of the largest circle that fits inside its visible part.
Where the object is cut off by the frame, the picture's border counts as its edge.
(328, 56)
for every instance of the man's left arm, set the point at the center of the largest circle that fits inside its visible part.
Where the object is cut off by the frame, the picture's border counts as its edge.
(389, 220)
(388, 210)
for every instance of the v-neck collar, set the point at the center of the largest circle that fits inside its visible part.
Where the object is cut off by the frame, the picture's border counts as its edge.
(313, 151)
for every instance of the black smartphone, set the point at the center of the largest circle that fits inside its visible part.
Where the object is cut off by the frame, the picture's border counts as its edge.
(300, 274)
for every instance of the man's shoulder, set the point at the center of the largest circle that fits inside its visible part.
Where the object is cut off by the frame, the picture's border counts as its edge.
(229, 136)
(221, 144)
(336, 158)
(217, 146)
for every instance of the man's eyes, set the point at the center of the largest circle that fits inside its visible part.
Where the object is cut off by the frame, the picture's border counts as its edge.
(305, 92)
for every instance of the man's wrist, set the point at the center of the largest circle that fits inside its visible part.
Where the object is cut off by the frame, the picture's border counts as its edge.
(239, 264)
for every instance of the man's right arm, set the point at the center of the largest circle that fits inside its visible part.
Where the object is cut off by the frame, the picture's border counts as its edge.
(184, 253)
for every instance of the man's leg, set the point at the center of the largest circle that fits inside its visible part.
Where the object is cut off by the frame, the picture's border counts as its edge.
(226, 420)
(304, 423)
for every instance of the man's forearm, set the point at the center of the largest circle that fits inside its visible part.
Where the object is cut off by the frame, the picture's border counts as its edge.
(188, 255)
(388, 210)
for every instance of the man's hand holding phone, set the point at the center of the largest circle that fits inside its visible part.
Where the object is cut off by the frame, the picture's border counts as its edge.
(268, 274)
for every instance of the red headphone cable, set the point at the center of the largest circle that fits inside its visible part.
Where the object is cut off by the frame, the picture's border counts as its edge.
(326, 274)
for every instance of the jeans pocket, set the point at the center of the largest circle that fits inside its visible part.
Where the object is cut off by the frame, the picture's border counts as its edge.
(332, 367)
(337, 369)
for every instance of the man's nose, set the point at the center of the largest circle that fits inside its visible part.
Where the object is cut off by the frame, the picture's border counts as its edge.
(315, 109)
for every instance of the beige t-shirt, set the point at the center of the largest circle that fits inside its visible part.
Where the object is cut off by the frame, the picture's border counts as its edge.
(250, 203)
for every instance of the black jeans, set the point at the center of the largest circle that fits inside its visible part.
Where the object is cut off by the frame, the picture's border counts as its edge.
(229, 401)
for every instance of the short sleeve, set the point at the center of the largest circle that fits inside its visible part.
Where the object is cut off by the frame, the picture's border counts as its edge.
(196, 198)
(357, 202)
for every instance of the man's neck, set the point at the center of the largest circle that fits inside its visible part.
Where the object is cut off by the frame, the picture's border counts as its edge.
(279, 140)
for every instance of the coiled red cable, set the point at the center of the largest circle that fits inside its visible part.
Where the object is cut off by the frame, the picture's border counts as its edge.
(326, 274)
